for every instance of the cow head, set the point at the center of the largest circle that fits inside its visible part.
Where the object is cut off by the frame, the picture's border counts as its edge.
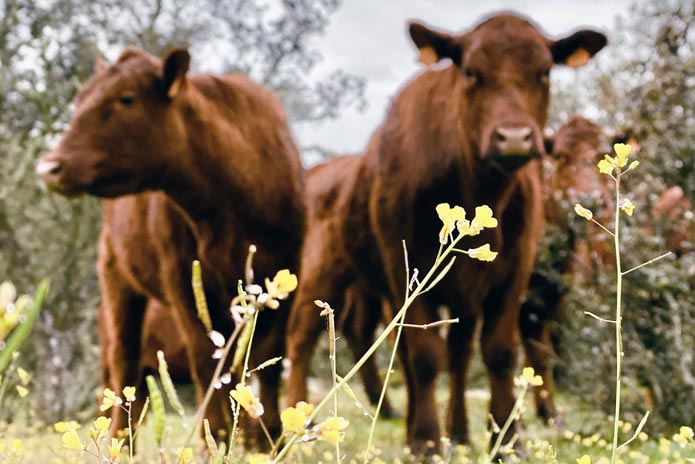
(127, 128)
(577, 146)
(503, 75)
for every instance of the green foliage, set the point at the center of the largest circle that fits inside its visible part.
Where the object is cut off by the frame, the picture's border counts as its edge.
(644, 86)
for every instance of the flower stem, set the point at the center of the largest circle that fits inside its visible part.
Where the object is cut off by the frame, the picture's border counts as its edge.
(380, 339)
(618, 321)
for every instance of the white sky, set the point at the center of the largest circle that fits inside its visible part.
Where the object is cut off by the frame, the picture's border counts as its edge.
(369, 38)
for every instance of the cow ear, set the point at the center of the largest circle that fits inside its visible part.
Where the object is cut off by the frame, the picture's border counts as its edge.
(434, 46)
(576, 49)
(176, 64)
(100, 65)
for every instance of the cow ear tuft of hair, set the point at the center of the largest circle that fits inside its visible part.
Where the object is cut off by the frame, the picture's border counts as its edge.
(434, 46)
(577, 49)
(176, 64)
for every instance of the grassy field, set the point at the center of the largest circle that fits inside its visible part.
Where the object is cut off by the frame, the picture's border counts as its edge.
(586, 431)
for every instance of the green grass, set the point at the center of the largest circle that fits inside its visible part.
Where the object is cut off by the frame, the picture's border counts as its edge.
(587, 432)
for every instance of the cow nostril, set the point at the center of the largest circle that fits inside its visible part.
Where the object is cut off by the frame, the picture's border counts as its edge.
(499, 137)
(49, 168)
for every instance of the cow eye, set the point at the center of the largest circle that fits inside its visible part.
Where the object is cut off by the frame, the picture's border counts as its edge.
(468, 72)
(544, 76)
(126, 100)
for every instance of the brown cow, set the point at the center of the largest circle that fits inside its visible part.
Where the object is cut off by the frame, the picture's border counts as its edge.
(677, 211)
(574, 178)
(358, 309)
(576, 148)
(462, 134)
(142, 124)
(159, 333)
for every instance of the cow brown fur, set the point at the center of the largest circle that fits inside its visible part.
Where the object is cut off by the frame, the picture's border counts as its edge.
(358, 308)
(218, 156)
(463, 134)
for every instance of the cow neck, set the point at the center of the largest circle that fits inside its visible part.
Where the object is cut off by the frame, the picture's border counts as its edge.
(495, 188)
(223, 183)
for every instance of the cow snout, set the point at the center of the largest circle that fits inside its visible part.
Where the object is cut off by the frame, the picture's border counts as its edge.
(513, 140)
(49, 170)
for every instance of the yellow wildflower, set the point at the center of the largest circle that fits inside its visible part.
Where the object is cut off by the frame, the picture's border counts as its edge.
(61, 427)
(17, 447)
(282, 284)
(306, 408)
(622, 150)
(110, 399)
(185, 455)
(243, 395)
(687, 432)
(22, 391)
(483, 219)
(23, 375)
(129, 394)
(606, 165)
(8, 293)
(680, 439)
(294, 420)
(482, 253)
(102, 424)
(259, 459)
(449, 216)
(115, 448)
(583, 212)
(627, 206)
(11, 308)
(530, 377)
(72, 441)
(332, 429)
(584, 460)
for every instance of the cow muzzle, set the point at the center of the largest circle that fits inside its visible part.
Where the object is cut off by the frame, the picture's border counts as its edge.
(53, 173)
(49, 170)
(512, 146)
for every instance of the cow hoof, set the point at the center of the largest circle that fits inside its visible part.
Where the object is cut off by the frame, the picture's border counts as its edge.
(391, 414)
(557, 421)
(426, 451)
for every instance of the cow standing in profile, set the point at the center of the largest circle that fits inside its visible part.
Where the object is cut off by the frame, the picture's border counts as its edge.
(215, 168)
(464, 134)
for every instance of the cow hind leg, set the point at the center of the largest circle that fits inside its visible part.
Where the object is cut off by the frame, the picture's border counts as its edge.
(535, 321)
(421, 355)
(538, 350)
(363, 314)
(269, 343)
(305, 324)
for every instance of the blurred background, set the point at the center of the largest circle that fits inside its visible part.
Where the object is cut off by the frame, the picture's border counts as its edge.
(335, 64)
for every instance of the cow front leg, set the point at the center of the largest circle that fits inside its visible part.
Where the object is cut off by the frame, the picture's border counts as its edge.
(459, 352)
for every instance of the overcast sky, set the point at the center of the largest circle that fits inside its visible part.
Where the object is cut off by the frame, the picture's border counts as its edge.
(369, 38)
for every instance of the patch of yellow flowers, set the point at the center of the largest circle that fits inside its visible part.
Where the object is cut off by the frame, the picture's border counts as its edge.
(612, 166)
(455, 219)
(12, 308)
(99, 431)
